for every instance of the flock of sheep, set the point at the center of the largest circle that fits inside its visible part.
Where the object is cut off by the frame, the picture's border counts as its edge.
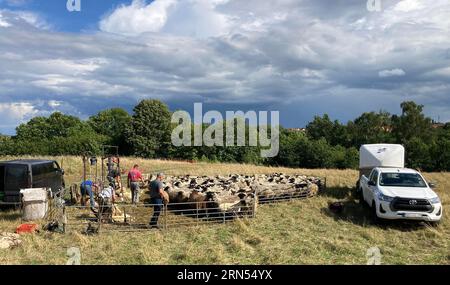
(236, 194)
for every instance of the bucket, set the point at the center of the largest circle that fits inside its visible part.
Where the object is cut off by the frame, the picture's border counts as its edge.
(35, 204)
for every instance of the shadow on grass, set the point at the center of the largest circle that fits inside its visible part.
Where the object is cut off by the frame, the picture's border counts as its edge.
(360, 214)
(337, 192)
(10, 216)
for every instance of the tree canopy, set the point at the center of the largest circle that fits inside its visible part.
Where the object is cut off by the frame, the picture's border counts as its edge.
(326, 143)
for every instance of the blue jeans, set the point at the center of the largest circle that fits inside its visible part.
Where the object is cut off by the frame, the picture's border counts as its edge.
(134, 192)
(87, 190)
(157, 208)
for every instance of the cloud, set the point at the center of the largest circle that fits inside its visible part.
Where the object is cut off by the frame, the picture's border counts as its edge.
(392, 72)
(198, 18)
(3, 23)
(10, 18)
(16, 3)
(238, 54)
(408, 5)
(13, 114)
(138, 17)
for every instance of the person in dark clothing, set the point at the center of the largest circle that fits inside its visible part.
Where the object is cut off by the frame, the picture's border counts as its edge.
(156, 194)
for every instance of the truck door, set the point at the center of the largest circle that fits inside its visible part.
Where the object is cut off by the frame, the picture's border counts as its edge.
(371, 189)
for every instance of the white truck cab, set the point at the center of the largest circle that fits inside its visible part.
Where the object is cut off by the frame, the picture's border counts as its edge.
(400, 193)
(395, 192)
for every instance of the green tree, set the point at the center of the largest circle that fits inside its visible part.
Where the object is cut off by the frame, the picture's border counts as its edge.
(440, 150)
(411, 124)
(320, 127)
(149, 131)
(113, 124)
(56, 135)
(418, 154)
(333, 132)
(370, 128)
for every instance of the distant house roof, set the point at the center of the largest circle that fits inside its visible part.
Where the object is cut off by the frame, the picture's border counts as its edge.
(296, 129)
(437, 125)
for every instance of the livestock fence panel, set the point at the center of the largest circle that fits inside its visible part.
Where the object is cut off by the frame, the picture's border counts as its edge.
(121, 216)
(126, 217)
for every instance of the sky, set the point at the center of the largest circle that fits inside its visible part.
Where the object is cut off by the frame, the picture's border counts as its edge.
(300, 57)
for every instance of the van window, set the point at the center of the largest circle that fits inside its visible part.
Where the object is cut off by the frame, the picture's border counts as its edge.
(40, 169)
(56, 166)
(16, 177)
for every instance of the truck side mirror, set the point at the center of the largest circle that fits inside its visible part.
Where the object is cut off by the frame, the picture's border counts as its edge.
(432, 185)
(62, 171)
(371, 183)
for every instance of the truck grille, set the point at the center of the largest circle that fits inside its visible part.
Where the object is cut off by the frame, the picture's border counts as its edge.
(410, 204)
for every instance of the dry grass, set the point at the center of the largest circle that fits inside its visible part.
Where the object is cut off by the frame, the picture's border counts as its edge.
(299, 232)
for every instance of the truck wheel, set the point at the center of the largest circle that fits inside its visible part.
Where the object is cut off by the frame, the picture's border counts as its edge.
(435, 224)
(376, 220)
(361, 198)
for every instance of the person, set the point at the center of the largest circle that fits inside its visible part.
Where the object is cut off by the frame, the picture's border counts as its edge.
(114, 172)
(106, 203)
(134, 177)
(156, 195)
(86, 189)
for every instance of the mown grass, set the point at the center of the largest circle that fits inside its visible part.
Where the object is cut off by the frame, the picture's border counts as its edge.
(298, 232)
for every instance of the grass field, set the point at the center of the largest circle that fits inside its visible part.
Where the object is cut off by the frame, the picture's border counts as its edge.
(299, 232)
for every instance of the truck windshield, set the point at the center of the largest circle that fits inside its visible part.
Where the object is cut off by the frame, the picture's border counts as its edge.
(402, 180)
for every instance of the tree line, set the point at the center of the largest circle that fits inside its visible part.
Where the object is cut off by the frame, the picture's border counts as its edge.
(323, 144)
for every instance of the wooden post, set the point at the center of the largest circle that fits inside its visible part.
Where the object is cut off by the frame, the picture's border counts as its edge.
(254, 204)
(125, 215)
(197, 214)
(165, 216)
(64, 218)
(83, 197)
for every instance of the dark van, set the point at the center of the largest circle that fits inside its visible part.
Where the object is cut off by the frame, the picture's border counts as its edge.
(31, 173)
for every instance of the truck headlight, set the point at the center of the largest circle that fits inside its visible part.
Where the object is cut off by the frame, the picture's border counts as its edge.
(384, 198)
(435, 200)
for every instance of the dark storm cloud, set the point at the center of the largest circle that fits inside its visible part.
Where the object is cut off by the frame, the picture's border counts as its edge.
(301, 57)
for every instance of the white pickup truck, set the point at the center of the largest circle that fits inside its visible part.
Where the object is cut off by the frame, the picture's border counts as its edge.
(392, 191)
(400, 193)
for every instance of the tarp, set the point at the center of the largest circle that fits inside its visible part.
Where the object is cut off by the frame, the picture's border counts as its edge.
(381, 155)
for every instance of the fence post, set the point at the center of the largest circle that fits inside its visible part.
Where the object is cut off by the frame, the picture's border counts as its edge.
(254, 204)
(64, 218)
(197, 214)
(100, 214)
(125, 215)
(165, 216)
